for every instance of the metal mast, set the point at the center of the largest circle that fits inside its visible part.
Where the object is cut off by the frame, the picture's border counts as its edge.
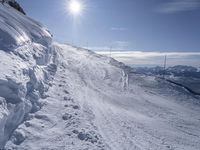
(164, 67)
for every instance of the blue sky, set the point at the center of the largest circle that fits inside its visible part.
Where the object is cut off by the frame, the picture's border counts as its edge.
(142, 25)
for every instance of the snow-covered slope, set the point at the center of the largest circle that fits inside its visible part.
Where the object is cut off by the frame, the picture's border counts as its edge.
(55, 96)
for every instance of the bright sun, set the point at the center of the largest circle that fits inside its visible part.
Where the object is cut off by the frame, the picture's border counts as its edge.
(75, 7)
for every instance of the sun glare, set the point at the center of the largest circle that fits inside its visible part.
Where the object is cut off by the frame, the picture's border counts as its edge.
(75, 7)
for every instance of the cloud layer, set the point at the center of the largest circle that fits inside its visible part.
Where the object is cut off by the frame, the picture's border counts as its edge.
(150, 59)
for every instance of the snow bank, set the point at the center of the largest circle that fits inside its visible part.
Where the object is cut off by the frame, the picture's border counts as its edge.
(27, 62)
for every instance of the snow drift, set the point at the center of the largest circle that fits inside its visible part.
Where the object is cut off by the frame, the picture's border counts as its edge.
(24, 68)
(60, 97)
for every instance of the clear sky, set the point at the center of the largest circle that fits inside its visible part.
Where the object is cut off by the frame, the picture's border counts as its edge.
(142, 25)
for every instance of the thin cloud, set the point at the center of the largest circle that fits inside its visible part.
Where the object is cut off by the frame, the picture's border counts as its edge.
(119, 45)
(98, 48)
(118, 29)
(114, 46)
(179, 6)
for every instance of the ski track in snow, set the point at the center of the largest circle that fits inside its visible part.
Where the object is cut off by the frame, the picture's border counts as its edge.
(59, 97)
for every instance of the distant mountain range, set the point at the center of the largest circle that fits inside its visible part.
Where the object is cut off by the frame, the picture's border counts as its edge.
(176, 71)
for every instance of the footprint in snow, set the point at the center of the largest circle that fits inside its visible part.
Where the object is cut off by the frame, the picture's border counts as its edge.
(68, 99)
(42, 117)
(89, 136)
(66, 116)
(27, 124)
(60, 85)
(66, 92)
(66, 105)
(18, 137)
(76, 107)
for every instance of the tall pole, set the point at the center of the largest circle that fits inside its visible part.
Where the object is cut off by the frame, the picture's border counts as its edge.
(110, 51)
(164, 68)
(87, 45)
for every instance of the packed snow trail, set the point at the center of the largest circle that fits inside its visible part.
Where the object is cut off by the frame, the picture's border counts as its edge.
(152, 114)
(59, 97)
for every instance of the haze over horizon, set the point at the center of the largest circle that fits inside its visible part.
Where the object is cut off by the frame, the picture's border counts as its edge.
(162, 26)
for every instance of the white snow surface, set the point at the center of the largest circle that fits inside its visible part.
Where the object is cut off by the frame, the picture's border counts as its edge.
(58, 97)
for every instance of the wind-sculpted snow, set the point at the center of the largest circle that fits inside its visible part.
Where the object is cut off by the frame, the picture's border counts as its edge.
(23, 81)
(26, 61)
(17, 29)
